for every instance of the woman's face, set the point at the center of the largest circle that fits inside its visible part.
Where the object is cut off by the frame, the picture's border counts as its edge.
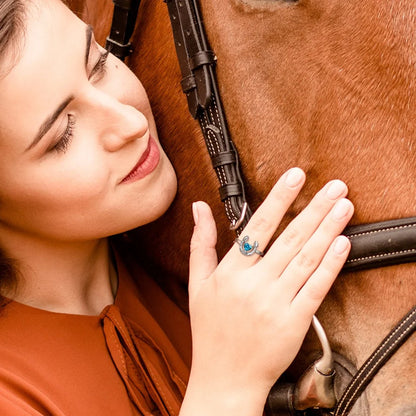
(73, 127)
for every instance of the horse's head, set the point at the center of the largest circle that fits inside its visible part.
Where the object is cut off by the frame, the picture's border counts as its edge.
(330, 86)
(323, 84)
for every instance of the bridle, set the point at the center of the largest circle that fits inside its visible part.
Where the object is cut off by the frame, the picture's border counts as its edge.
(198, 82)
(373, 245)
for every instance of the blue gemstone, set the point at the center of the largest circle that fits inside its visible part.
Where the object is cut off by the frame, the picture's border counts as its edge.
(247, 247)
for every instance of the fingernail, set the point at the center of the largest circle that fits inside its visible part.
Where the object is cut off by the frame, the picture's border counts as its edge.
(336, 189)
(294, 177)
(341, 209)
(195, 212)
(341, 244)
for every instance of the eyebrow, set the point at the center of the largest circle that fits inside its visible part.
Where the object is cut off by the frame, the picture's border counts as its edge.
(47, 124)
(89, 32)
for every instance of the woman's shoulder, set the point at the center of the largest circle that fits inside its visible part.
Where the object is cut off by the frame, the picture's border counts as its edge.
(48, 358)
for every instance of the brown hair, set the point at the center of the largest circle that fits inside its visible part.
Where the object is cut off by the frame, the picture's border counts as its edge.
(12, 17)
(12, 23)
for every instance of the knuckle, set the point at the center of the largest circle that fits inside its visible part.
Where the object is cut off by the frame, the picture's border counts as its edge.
(320, 205)
(318, 208)
(195, 243)
(282, 196)
(331, 266)
(306, 261)
(261, 224)
(291, 237)
(193, 247)
(315, 293)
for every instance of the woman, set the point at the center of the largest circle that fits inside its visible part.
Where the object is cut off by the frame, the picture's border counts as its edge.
(83, 330)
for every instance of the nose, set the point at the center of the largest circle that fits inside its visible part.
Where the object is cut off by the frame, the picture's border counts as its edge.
(117, 123)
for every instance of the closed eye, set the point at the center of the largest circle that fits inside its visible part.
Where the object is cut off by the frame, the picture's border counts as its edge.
(65, 138)
(99, 68)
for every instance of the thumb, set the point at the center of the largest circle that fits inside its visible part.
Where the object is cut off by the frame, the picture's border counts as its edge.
(203, 258)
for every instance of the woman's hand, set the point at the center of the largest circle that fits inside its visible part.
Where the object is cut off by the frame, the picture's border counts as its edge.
(250, 314)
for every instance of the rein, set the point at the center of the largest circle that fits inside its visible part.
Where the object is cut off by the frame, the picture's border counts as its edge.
(393, 341)
(372, 245)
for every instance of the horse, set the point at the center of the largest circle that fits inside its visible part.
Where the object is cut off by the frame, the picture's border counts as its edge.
(328, 86)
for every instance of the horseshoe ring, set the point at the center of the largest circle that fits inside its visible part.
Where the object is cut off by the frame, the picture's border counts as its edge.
(248, 249)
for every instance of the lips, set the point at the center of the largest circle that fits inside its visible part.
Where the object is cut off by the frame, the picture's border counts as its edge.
(146, 164)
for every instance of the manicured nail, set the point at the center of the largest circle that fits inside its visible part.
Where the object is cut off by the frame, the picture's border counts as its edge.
(341, 244)
(335, 189)
(341, 209)
(294, 177)
(195, 212)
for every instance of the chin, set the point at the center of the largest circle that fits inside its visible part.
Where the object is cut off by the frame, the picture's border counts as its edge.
(163, 198)
(158, 210)
(153, 204)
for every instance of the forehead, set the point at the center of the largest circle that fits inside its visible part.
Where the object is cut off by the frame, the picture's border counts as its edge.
(52, 53)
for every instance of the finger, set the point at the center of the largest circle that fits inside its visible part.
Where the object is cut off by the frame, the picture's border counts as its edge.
(298, 232)
(203, 255)
(313, 292)
(308, 259)
(266, 219)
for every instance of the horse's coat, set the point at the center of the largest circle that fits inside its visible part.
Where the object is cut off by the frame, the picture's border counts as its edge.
(327, 85)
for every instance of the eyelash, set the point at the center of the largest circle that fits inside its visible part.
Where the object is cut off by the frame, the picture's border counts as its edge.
(62, 144)
(100, 66)
(64, 140)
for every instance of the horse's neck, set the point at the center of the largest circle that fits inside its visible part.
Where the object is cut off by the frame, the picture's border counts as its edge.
(336, 99)
(271, 134)
(299, 127)
(99, 18)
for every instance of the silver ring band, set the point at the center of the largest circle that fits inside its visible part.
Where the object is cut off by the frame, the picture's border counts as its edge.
(248, 249)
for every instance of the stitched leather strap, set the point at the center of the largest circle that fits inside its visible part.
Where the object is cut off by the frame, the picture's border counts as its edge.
(122, 27)
(381, 244)
(391, 343)
(197, 63)
(373, 245)
(223, 158)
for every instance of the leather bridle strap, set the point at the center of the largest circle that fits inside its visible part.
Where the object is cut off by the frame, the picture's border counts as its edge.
(197, 64)
(122, 27)
(375, 362)
(373, 245)
(381, 244)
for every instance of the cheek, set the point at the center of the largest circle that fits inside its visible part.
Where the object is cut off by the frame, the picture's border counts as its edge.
(77, 183)
(60, 203)
(69, 185)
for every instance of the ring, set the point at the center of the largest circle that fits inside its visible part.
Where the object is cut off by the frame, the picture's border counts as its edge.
(246, 248)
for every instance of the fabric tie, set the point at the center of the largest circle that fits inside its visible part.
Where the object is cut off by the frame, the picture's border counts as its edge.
(153, 386)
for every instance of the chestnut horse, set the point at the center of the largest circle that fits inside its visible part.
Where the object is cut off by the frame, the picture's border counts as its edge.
(329, 86)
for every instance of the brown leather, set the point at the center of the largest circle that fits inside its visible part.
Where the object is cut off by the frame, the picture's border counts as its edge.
(387, 348)
(373, 245)
(197, 64)
(122, 27)
(381, 244)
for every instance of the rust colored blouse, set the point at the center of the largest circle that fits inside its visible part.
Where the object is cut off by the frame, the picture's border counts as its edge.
(133, 359)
